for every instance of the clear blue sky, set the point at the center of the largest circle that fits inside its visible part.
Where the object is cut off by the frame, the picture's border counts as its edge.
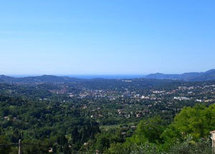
(106, 36)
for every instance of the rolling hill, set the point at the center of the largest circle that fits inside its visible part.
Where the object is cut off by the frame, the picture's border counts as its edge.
(193, 76)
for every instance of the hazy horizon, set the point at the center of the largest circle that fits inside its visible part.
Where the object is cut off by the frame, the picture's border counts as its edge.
(106, 37)
(92, 76)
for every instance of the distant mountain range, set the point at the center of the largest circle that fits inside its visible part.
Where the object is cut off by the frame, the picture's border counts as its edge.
(37, 79)
(193, 76)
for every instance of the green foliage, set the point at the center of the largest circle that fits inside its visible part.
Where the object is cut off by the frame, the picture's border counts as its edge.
(202, 146)
(36, 122)
(55, 115)
(196, 122)
(148, 131)
(4, 149)
(106, 138)
(188, 134)
(147, 135)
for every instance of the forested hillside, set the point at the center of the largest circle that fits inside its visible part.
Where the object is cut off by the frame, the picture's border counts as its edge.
(107, 116)
(188, 133)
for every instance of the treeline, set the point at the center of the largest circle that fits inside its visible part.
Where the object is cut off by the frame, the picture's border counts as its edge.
(43, 125)
(189, 133)
(62, 128)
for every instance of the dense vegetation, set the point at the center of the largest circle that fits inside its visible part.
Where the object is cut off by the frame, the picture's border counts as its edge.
(105, 116)
(45, 123)
(188, 133)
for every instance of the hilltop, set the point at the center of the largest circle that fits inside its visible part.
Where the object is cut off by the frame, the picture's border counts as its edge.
(191, 76)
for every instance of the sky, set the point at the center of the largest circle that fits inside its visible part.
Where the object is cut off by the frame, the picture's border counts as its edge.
(98, 37)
